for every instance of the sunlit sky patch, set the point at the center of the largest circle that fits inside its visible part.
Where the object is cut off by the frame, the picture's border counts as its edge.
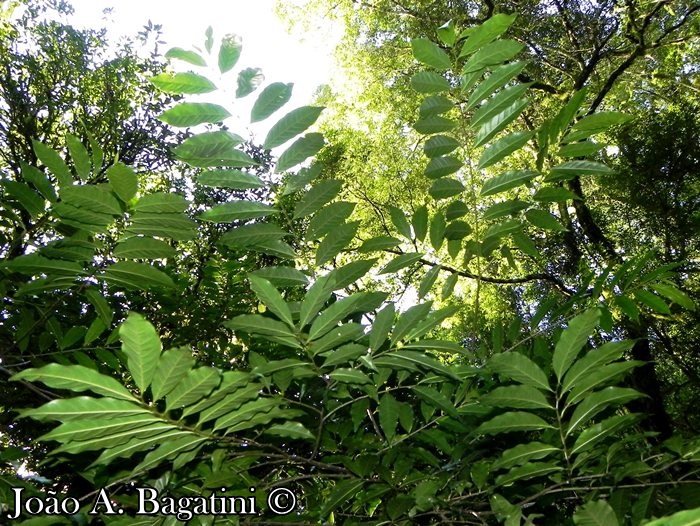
(304, 59)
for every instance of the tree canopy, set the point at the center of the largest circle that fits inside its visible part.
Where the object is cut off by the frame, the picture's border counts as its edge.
(459, 289)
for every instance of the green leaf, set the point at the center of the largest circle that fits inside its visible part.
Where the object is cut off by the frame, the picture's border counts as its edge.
(348, 274)
(504, 208)
(123, 181)
(402, 261)
(420, 222)
(315, 298)
(252, 235)
(428, 281)
(76, 378)
(320, 194)
(248, 81)
(350, 376)
(33, 175)
(400, 222)
(82, 430)
(524, 452)
(571, 169)
(291, 125)
(580, 149)
(503, 147)
(573, 339)
(30, 200)
(594, 124)
(208, 145)
(85, 408)
(168, 450)
(54, 163)
(378, 243)
(674, 294)
(197, 384)
(680, 518)
(93, 198)
(599, 401)
(520, 368)
(299, 151)
(333, 243)
(652, 301)
(566, 114)
(593, 360)
(271, 297)
(187, 114)
(554, 194)
(442, 166)
(457, 230)
(187, 56)
(437, 230)
(137, 276)
(429, 82)
(229, 52)
(104, 311)
(411, 359)
(383, 322)
(440, 145)
(409, 319)
(435, 105)
(498, 103)
(343, 334)
(512, 421)
(490, 30)
(79, 155)
(500, 121)
(595, 513)
(341, 309)
(517, 397)
(143, 248)
(491, 54)
(436, 345)
(282, 276)
(141, 345)
(543, 219)
(437, 399)
(527, 471)
(598, 432)
(173, 366)
(147, 438)
(272, 98)
(434, 124)
(496, 80)
(455, 210)
(294, 430)
(445, 187)
(234, 179)
(161, 203)
(388, 411)
(233, 210)
(449, 285)
(34, 264)
(256, 324)
(342, 492)
(430, 54)
(178, 83)
(597, 378)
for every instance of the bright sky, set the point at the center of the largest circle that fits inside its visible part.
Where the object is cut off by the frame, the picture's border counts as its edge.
(306, 60)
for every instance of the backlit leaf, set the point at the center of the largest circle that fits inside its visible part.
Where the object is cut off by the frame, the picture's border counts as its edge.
(192, 113)
(141, 345)
(299, 151)
(291, 125)
(272, 98)
(512, 421)
(429, 82)
(430, 54)
(178, 83)
(229, 52)
(248, 81)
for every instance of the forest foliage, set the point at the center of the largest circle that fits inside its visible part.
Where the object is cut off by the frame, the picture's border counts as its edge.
(465, 296)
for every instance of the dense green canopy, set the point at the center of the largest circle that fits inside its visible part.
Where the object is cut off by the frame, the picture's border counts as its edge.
(459, 288)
